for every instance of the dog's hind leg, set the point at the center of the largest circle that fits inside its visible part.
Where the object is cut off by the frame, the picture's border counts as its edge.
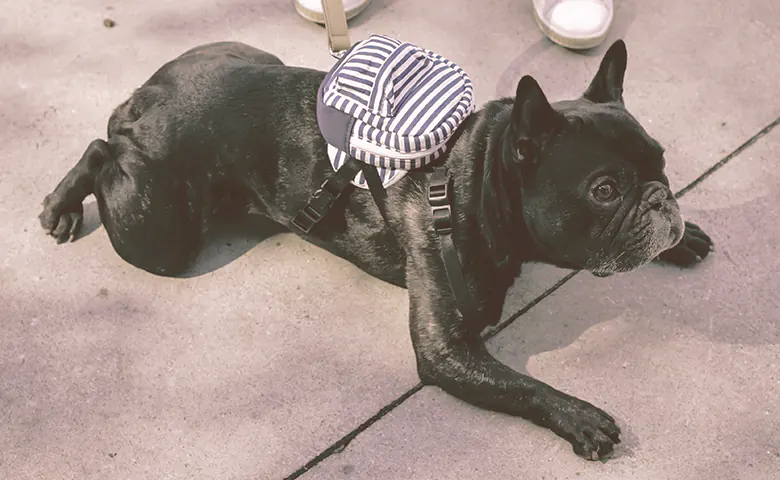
(152, 213)
(62, 209)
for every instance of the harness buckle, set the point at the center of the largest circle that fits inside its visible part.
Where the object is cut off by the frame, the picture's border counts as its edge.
(439, 200)
(316, 208)
(438, 192)
(442, 219)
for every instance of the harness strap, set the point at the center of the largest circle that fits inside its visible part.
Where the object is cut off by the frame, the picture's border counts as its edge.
(376, 188)
(439, 200)
(322, 199)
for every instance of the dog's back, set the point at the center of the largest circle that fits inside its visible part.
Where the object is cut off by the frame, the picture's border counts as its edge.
(214, 105)
(187, 86)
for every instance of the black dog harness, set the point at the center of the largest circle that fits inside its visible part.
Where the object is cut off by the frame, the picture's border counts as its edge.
(386, 108)
(322, 199)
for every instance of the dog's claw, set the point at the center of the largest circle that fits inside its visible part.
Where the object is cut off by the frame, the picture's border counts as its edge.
(75, 227)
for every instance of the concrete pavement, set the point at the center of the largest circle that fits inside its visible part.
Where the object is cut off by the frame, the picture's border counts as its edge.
(253, 364)
(688, 362)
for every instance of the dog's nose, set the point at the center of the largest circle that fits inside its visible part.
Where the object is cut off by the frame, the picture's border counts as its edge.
(658, 198)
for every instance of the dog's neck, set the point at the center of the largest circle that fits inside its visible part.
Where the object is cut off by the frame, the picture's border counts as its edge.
(482, 148)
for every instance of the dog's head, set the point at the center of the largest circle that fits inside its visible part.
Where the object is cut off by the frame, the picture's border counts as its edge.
(591, 180)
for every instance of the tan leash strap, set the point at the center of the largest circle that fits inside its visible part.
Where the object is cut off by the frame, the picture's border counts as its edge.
(336, 25)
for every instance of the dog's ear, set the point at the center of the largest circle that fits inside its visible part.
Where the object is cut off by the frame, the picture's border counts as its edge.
(607, 85)
(508, 159)
(532, 119)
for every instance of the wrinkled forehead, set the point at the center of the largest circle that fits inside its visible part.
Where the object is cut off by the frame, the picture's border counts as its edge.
(608, 130)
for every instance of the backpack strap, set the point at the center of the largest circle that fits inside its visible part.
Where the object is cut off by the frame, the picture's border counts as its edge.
(322, 199)
(376, 188)
(439, 200)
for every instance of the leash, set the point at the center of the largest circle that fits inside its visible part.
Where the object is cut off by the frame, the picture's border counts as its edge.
(336, 26)
(439, 190)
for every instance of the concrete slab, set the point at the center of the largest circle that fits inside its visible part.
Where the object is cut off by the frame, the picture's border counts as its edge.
(107, 372)
(687, 361)
(699, 76)
(698, 73)
(248, 368)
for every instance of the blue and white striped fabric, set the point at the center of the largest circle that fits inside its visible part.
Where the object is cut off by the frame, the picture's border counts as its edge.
(404, 103)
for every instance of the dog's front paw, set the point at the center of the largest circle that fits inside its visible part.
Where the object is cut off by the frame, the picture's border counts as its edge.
(592, 432)
(694, 247)
(59, 221)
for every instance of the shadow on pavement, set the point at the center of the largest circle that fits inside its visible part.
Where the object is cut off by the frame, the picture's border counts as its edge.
(227, 242)
(231, 240)
(729, 298)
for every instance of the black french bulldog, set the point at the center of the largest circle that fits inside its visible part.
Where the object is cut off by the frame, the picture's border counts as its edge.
(578, 184)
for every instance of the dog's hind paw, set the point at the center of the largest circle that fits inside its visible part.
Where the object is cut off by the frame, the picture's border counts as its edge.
(693, 248)
(60, 221)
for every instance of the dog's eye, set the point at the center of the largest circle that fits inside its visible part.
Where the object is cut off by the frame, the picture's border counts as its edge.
(605, 191)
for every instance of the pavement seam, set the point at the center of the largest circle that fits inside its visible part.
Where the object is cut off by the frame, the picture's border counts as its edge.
(501, 326)
(342, 443)
(728, 158)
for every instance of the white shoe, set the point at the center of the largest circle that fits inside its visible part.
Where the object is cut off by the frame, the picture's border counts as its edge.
(575, 24)
(312, 9)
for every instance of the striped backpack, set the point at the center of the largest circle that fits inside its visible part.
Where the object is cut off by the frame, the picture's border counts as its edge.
(385, 108)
